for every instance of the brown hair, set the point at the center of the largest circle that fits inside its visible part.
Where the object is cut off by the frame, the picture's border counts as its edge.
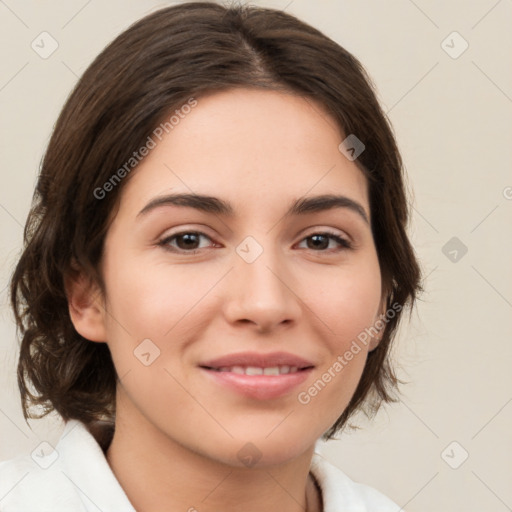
(149, 70)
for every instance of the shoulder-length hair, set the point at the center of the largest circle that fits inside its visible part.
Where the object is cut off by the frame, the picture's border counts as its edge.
(137, 81)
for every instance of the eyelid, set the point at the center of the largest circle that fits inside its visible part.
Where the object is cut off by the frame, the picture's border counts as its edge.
(326, 230)
(200, 229)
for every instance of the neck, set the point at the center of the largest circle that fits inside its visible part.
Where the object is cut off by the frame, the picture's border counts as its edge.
(158, 474)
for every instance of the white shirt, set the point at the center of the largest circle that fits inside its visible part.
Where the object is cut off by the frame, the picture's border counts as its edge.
(76, 477)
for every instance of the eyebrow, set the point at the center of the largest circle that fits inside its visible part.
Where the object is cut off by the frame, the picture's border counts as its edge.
(210, 204)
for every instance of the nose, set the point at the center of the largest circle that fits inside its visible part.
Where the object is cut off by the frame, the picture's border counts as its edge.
(261, 294)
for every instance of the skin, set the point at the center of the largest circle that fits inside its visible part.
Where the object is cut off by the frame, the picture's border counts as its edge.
(177, 433)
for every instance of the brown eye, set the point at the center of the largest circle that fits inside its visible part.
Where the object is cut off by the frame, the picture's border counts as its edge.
(187, 241)
(322, 241)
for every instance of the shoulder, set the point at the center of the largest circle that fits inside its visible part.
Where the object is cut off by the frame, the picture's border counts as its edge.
(29, 483)
(339, 492)
(72, 476)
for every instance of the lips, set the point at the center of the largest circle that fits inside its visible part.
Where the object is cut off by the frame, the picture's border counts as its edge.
(258, 376)
(256, 370)
(257, 360)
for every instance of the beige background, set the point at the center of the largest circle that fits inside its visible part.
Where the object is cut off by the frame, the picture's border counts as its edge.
(452, 117)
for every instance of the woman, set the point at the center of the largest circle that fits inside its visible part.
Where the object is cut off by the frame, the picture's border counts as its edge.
(216, 262)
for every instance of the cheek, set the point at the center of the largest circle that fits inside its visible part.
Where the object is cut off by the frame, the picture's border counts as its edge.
(149, 300)
(347, 301)
(154, 313)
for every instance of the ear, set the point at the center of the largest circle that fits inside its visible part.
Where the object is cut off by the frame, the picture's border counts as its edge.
(379, 324)
(86, 306)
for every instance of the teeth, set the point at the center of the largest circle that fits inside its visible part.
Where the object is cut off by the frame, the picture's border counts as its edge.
(255, 370)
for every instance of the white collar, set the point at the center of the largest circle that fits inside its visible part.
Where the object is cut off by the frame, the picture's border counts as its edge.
(79, 479)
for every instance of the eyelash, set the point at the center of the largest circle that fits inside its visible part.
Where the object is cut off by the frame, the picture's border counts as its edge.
(344, 243)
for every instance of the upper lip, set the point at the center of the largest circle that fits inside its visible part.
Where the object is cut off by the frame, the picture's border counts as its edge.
(258, 360)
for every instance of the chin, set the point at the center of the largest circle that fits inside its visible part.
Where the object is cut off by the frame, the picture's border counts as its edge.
(277, 448)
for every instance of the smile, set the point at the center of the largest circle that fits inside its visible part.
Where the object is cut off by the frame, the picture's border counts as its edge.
(255, 370)
(256, 375)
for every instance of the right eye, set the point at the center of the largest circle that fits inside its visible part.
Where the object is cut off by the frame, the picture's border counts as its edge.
(184, 242)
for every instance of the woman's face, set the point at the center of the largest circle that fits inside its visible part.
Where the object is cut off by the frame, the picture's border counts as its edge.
(250, 272)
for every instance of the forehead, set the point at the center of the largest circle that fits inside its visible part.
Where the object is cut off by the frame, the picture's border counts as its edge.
(255, 148)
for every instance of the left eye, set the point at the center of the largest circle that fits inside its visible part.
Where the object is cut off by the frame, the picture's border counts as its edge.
(321, 241)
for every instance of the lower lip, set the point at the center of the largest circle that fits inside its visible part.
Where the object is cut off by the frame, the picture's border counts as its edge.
(260, 387)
